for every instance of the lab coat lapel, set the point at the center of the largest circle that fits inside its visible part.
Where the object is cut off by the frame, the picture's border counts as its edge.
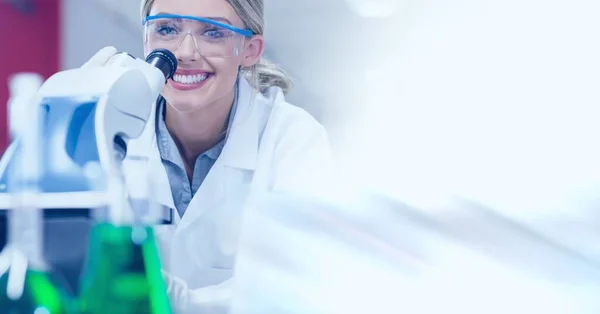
(228, 180)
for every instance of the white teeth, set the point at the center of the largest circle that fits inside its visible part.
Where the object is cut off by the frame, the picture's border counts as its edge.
(189, 79)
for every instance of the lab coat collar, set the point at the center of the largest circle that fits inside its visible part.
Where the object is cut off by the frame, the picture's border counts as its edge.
(241, 146)
(224, 181)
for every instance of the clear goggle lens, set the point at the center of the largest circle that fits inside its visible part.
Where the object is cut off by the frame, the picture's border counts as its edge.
(208, 37)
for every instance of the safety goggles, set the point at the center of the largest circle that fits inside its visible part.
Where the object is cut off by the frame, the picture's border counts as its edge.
(210, 38)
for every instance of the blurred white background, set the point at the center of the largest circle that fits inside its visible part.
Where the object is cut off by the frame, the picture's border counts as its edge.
(88, 25)
(496, 100)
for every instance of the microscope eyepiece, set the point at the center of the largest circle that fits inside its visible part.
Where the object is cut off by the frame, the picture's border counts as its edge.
(164, 60)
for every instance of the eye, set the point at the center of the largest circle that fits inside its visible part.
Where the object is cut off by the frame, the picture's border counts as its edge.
(166, 30)
(215, 33)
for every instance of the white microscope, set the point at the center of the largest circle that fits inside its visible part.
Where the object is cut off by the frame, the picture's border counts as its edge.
(87, 116)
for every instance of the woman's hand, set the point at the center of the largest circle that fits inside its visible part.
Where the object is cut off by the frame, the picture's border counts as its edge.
(184, 300)
(101, 57)
(177, 290)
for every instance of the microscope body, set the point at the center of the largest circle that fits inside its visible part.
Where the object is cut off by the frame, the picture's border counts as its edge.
(88, 115)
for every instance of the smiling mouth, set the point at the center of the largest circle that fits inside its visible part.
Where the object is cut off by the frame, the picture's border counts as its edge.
(191, 79)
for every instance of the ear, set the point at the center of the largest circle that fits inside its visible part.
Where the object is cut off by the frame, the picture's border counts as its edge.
(253, 50)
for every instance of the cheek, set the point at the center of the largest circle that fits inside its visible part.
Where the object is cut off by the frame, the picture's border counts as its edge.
(225, 66)
(226, 71)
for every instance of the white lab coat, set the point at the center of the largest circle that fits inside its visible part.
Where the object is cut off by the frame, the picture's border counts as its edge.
(272, 146)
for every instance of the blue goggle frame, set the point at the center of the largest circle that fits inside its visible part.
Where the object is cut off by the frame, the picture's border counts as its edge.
(243, 32)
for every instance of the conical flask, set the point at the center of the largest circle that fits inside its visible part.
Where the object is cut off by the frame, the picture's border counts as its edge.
(123, 267)
(26, 282)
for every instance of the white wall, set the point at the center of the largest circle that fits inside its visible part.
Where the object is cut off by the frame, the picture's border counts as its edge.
(88, 26)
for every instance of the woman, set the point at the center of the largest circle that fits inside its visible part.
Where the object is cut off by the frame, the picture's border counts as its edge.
(222, 129)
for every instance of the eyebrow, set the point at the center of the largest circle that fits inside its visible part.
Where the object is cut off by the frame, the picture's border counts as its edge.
(222, 19)
(214, 18)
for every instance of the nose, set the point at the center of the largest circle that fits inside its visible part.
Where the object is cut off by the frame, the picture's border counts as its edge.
(187, 50)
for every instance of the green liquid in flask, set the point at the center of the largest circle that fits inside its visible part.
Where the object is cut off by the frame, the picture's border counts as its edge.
(123, 276)
(39, 296)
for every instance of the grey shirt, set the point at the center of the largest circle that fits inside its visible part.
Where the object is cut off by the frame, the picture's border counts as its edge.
(181, 188)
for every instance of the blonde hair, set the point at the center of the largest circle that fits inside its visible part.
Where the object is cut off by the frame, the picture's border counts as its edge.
(264, 73)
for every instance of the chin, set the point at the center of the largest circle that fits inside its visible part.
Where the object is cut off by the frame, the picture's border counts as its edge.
(186, 104)
(185, 100)
(185, 107)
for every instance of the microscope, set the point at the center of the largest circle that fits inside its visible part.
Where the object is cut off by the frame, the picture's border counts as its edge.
(87, 117)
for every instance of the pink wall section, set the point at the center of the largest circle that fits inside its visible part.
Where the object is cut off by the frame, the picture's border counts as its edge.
(29, 41)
